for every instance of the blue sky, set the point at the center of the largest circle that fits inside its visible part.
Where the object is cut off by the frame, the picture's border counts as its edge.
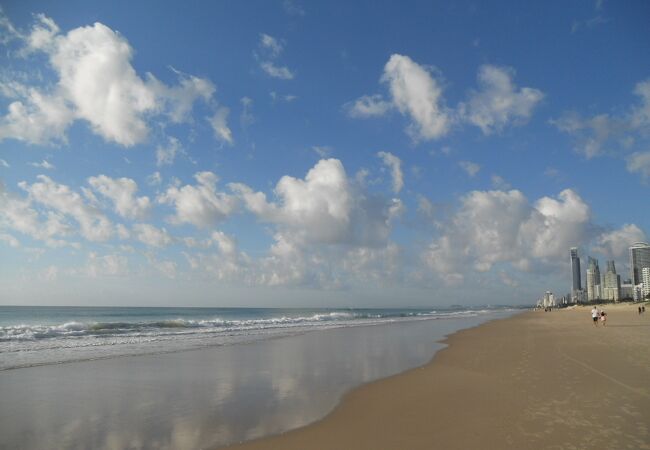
(318, 153)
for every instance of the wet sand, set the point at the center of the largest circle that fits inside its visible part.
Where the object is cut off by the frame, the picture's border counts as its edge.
(208, 397)
(537, 380)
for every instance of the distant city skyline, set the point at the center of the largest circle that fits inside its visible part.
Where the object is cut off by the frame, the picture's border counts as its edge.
(343, 154)
(609, 286)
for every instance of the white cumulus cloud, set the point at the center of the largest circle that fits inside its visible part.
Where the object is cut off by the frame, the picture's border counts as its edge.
(43, 165)
(639, 162)
(151, 236)
(368, 106)
(201, 204)
(610, 133)
(415, 92)
(97, 83)
(469, 167)
(93, 224)
(219, 122)
(498, 102)
(615, 243)
(276, 71)
(270, 49)
(493, 227)
(121, 191)
(165, 154)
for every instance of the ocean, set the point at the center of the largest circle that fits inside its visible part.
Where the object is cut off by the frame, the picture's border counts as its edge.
(179, 378)
(41, 335)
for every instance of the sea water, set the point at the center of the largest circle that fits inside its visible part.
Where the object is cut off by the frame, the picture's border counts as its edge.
(51, 335)
(197, 378)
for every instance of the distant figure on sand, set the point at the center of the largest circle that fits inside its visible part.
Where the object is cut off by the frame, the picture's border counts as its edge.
(603, 318)
(639, 310)
(594, 315)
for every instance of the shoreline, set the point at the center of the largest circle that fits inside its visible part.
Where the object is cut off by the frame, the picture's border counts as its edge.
(557, 384)
(225, 338)
(211, 397)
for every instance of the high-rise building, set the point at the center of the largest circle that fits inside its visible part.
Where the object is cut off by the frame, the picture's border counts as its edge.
(575, 270)
(645, 275)
(611, 283)
(639, 258)
(593, 280)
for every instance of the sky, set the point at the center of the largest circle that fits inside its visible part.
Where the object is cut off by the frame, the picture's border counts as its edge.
(294, 153)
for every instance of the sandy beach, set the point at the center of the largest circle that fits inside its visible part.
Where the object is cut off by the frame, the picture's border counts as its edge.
(537, 380)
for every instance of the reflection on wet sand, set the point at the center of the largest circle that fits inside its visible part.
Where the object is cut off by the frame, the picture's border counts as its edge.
(210, 397)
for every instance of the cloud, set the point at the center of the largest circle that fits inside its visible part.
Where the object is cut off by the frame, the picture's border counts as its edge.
(591, 133)
(293, 8)
(121, 191)
(322, 150)
(425, 207)
(368, 106)
(281, 72)
(609, 133)
(35, 117)
(94, 225)
(499, 183)
(19, 215)
(417, 93)
(469, 167)
(639, 162)
(112, 265)
(166, 154)
(287, 98)
(322, 218)
(395, 165)
(4, 164)
(10, 240)
(95, 83)
(220, 127)
(493, 227)
(167, 267)
(151, 236)
(498, 102)
(270, 49)
(271, 44)
(155, 179)
(200, 205)
(43, 165)
(324, 208)
(615, 243)
(246, 118)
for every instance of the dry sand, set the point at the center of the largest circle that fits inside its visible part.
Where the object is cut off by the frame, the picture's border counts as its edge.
(537, 380)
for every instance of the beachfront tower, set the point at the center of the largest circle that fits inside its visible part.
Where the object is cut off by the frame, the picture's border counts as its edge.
(645, 273)
(575, 270)
(593, 280)
(639, 258)
(611, 283)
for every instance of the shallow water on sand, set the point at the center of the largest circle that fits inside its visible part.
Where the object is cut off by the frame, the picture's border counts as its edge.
(208, 397)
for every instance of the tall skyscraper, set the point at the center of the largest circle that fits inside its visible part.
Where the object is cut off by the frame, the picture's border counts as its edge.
(639, 258)
(645, 273)
(593, 280)
(611, 283)
(575, 270)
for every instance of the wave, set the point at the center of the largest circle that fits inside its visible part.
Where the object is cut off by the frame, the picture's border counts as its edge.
(74, 329)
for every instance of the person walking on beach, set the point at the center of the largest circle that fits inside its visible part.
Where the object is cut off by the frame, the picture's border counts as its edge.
(594, 315)
(603, 318)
